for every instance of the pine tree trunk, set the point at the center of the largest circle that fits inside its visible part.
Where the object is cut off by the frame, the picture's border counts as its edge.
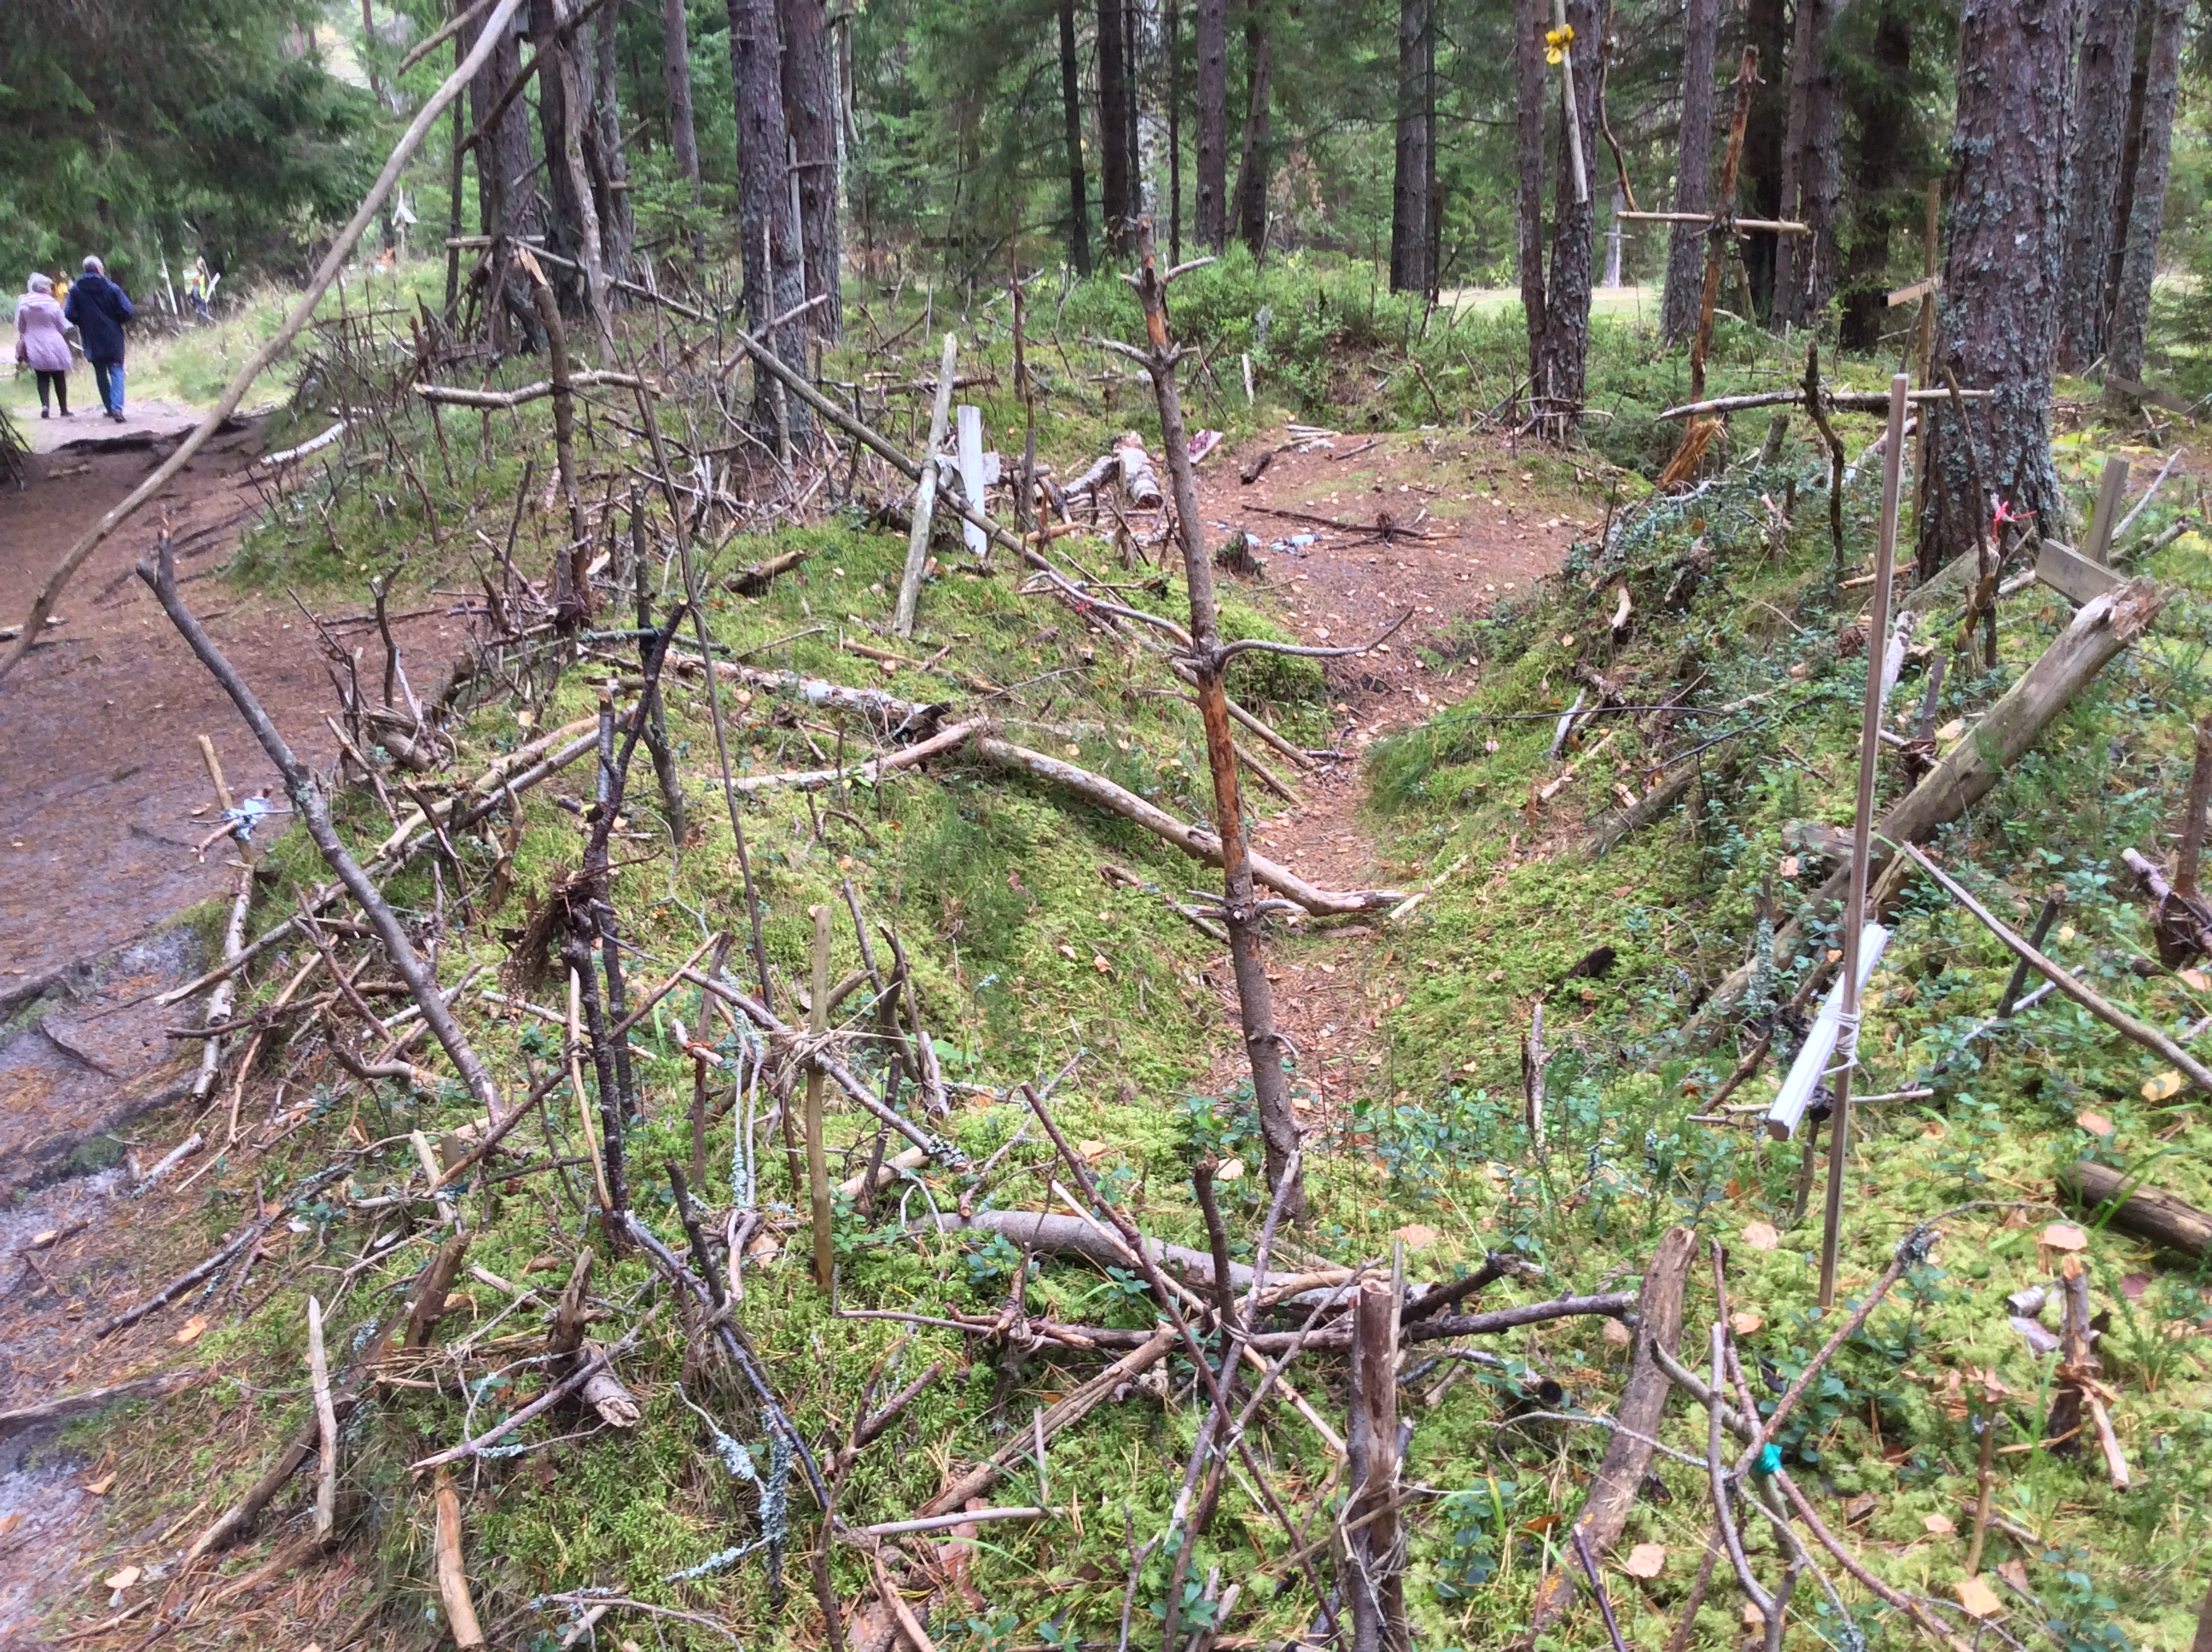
(775, 283)
(2124, 196)
(1133, 82)
(610, 169)
(1694, 172)
(1765, 141)
(810, 111)
(1171, 27)
(1998, 326)
(1114, 203)
(506, 203)
(1409, 185)
(2162, 88)
(1560, 370)
(564, 110)
(1436, 213)
(1531, 19)
(1804, 267)
(1070, 105)
(2100, 111)
(1882, 115)
(1211, 215)
(1252, 167)
(676, 69)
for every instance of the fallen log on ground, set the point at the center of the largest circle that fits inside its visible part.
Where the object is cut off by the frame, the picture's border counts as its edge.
(2102, 627)
(899, 718)
(66, 1407)
(460, 396)
(2148, 1212)
(1195, 841)
(863, 773)
(1643, 1404)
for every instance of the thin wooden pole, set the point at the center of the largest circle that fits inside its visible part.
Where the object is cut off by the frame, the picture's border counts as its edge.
(1885, 568)
(1567, 101)
(817, 1159)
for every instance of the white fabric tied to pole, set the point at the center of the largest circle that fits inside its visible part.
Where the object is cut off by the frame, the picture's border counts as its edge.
(1811, 1065)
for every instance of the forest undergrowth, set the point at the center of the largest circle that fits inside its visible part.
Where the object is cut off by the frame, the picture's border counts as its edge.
(983, 943)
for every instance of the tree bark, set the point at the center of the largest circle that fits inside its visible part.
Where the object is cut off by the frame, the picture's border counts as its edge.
(1253, 165)
(1998, 326)
(2122, 199)
(676, 70)
(1558, 369)
(1263, 1045)
(610, 170)
(1210, 216)
(1812, 173)
(1070, 105)
(1694, 171)
(572, 231)
(1171, 31)
(2146, 214)
(1411, 174)
(506, 203)
(1531, 18)
(1764, 140)
(2106, 70)
(1882, 114)
(1116, 202)
(774, 281)
(810, 112)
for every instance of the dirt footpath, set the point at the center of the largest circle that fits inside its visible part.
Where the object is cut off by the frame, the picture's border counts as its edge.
(1352, 532)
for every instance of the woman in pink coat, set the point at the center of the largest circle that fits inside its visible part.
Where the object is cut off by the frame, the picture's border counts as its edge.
(40, 345)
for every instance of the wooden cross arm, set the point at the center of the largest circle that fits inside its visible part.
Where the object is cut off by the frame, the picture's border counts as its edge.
(1741, 226)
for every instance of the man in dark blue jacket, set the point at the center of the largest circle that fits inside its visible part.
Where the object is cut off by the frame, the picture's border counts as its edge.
(98, 308)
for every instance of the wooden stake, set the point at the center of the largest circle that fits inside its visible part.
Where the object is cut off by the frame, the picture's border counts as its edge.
(924, 494)
(1373, 1581)
(817, 1162)
(1885, 566)
(452, 1574)
(1567, 102)
(326, 1426)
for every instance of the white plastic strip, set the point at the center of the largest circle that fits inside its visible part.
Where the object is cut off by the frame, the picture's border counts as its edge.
(1812, 1062)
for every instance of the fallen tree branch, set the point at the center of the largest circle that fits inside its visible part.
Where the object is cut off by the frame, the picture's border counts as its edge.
(2064, 980)
(65, 1407)
(1643, 1404)
(2124, 1201)
(460, 396)
(1194, 841)
(159, 574)
(1072, 1409)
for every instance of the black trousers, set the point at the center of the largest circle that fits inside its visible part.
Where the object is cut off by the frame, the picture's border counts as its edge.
(58, 383)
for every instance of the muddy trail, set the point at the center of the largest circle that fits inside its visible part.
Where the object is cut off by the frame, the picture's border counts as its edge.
(112, 833)
(105, 825)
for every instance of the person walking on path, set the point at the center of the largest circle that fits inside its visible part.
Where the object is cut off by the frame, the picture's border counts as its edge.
(98, 308)
(39, 343)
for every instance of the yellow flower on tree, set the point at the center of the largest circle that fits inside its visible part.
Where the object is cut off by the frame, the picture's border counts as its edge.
(1556, 42)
